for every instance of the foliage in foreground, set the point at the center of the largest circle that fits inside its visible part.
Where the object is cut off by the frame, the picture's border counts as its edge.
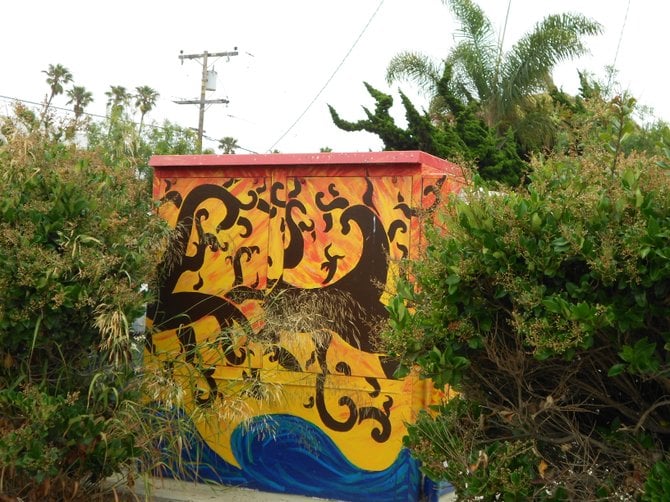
(78, 240)
(547, 308)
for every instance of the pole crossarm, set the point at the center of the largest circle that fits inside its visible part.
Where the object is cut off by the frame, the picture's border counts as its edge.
(203, 88)
(209, 54)
(197, 101)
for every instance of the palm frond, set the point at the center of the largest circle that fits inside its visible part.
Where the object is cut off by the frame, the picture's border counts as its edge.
(472, 70)
(475, 26)
(555, 39)
(414, 67)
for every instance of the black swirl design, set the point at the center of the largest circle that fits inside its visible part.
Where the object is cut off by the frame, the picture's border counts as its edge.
(362, 285)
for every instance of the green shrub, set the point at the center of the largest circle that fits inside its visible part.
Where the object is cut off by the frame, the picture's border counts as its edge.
(79, 241)
(547, 309)
(657, 485)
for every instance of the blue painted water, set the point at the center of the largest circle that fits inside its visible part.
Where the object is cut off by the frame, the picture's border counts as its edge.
(286, 454)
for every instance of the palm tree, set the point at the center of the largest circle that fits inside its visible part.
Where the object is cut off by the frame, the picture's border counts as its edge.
(57, 76)
(117, 129)
(117, 98)
(506, 85)
(145, 100)
(80, 98)
(228, 144)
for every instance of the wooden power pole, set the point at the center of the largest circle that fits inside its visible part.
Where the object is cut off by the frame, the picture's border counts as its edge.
(203, 89)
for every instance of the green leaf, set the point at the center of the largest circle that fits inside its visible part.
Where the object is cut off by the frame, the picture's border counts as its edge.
(617, 369)
(642, 357)
(572, 288)
(582, 311)
(460, 362)
(475, 342)
(452, 279)
(542, 354)
(401, 371)
(535, 222)
(405, 289)
(629, 177)
(556, 305)
(560, 245)
(640, 298)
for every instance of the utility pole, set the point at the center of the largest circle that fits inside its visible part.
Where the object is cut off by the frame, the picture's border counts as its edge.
(203, 89)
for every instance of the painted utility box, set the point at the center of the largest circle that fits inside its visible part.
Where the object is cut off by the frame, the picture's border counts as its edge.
(275, 287)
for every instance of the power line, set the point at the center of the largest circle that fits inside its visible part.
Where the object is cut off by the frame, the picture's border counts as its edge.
(238, 146)
(9, 98)
(68, 110)
(501, 40)
(618, 46)
(329, 78)
(26, 101)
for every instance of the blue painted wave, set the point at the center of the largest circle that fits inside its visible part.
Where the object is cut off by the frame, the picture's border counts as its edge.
(286, 454)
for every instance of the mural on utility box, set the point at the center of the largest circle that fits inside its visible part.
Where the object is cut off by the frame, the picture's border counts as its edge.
(273, 290)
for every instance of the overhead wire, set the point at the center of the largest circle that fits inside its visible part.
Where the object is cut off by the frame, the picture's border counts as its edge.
(618, 46)
(337, 69)
(501, 41)
(10, 98)
(97, 116)
(70, 111)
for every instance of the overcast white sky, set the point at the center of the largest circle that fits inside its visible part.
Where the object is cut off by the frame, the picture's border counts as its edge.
(288, 51)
